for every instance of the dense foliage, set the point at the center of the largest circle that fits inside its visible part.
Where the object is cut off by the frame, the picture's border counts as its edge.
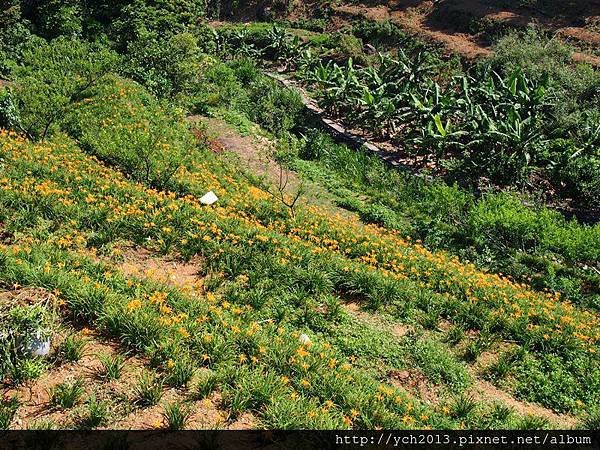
(509, 120)
(96, 155)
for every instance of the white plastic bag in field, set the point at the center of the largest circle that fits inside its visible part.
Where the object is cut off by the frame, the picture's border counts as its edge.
(40, 344)
(209, 198)
(304, 339)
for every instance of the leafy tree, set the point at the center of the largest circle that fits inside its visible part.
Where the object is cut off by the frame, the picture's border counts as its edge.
(163, 18)
(52, 77)
(125, 125)
(15, 31)
(60, 18)
(166, 66)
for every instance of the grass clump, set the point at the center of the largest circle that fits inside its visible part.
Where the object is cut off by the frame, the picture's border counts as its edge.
(8, 409)
(112, 366)
(148, 390)
(66, 395)
(72, 348)
(176, 415)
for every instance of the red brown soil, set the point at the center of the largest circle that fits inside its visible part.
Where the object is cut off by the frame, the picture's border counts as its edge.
(416, 383)
(485, 391)
(419, 16)
(577, 21)
(255, 151)
(141, 263)
(34, 396)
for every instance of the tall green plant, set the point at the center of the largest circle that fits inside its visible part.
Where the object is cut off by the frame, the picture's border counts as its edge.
(52, 78)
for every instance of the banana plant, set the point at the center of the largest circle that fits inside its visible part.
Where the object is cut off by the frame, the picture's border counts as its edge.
(283, 46)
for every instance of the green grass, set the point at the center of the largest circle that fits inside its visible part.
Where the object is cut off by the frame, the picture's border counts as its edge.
(112, 366)
(148, 391)
(72, 348)
(8, 409)
(96, 413)
(270, 278)
(176, 415)
(66, 395)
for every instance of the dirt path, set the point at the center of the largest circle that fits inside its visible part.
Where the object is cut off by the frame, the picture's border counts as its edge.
(255, 153)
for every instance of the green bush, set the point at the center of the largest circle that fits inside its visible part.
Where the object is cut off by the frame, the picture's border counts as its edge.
(52, 78)
(538, 56)
(438, 364)
(163, 19)
(59, 18)
(15, 33)
(581, 177)
(125, 125)
(274, 108)
(165, 66)
(502, 221)
(219, 88)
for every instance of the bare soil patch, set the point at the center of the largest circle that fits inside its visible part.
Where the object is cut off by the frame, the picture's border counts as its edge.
(142, 263)
(455, 23)
(415, 383)
(255, 153)
(35, 396)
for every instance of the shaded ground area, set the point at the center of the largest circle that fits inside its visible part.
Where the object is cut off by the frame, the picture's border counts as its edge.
(467, 26)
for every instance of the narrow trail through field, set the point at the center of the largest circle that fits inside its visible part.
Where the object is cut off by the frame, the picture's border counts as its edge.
(388, 152)
(255, 154)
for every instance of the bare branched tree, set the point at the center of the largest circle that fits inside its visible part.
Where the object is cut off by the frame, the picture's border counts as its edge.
(290, 201)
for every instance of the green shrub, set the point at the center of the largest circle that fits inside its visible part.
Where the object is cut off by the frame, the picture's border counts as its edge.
(219, 88)
(124, 125)
(274, 108)
(9, 115)
(165, 66)
(531, 51)
(582, 179)
(20, 327)
(15, 34)
(538, 56)
(59, 18)
(164, 19)
(52, 78)
(502, 220)
(8, 409)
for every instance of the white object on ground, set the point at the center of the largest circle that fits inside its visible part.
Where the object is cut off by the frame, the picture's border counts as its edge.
(304, 339)
(209, 198)
(40, 345)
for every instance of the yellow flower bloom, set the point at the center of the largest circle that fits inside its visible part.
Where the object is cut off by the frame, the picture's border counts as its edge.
(134, 304)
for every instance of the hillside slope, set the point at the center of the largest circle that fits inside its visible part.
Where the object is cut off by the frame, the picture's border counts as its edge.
(265, 277)
(464, 27)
